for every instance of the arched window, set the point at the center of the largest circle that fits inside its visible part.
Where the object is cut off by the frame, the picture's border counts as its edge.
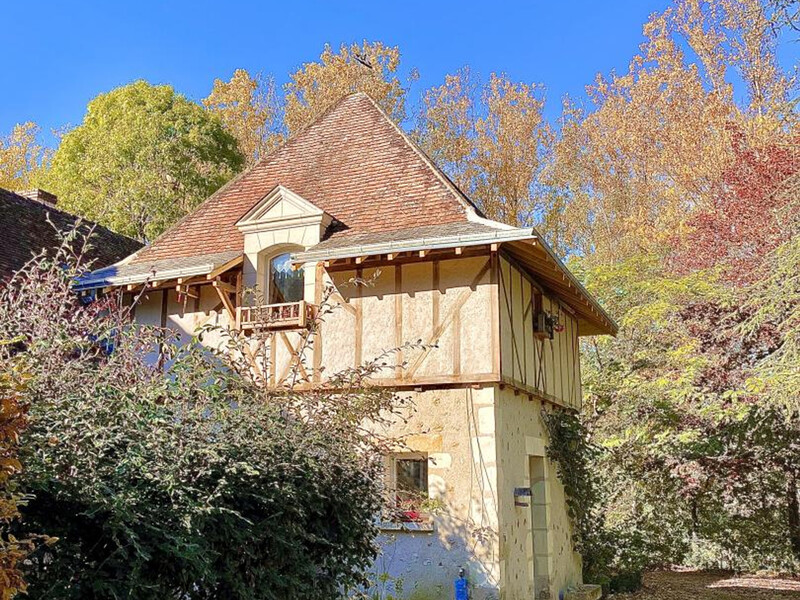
(285, 284)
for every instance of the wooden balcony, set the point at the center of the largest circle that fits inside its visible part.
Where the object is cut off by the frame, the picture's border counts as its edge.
(290, 315)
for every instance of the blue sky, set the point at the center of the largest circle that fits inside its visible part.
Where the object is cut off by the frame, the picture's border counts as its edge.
(58, 55)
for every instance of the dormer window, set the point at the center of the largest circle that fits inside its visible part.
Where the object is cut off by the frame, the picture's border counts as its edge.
(285, 284)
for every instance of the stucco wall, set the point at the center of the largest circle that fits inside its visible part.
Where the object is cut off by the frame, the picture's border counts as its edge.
(535, 541)
(481, 442)
(549, 367)
(446, 303)
(455, 428)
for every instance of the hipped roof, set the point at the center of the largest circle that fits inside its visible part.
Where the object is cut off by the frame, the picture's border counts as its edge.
(355, 164)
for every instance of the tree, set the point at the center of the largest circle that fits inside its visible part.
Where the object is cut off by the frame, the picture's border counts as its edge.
(143, 158)
(190, 480)
(248, 108)
(753, 212)
(651, 150)
(21, 158)
(12, 551)
(370, 67)
(492, 140)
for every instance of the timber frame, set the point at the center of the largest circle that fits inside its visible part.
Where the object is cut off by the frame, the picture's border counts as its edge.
(509, 368)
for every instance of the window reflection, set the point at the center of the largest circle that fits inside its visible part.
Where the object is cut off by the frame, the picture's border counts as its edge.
(285, 284)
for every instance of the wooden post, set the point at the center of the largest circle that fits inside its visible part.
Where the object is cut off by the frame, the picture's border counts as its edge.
(319, 284)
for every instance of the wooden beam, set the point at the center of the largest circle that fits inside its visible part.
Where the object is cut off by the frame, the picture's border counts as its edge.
(234, 262)
(494, 301)
(226, 302)
(319, 286)
(460, 300)
(221, 285)
(186, 291)
(359, 323)
(164, 301)
(398, 318)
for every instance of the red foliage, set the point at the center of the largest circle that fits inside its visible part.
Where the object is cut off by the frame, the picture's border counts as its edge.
(749, 217)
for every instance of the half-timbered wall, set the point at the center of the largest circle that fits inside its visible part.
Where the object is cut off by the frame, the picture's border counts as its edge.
(549, 368)
(443, 304)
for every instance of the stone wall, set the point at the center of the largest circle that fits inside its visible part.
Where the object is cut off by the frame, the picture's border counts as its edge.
(455, 429)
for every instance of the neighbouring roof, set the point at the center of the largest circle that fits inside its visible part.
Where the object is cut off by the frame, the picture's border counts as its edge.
(159, 270)
(29, 226)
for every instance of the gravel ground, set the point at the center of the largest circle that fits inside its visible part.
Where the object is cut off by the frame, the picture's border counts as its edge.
(703, 585)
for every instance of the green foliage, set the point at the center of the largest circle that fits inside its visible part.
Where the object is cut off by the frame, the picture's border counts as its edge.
(775, 302)
(608, 557)
(143, 157)
(187, 482)
(698, 450)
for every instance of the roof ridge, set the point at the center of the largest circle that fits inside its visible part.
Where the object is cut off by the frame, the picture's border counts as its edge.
(440, 174)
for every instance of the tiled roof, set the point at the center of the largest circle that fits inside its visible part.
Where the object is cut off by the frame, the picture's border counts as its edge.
(412, 238)
(168, 268)
(353, 163)
(29, 226)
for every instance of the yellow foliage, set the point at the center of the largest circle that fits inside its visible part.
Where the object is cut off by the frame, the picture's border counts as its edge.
(20, 157)
(492, 139)
(249, 111)
(369, 67)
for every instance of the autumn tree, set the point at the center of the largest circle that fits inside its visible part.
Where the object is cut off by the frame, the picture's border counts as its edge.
(13, 551)
(752, 213)
(492, 139)
(143, 157)
(679, 180)
(370, 67)
(21, 157)
(248, 108)
(655, 142)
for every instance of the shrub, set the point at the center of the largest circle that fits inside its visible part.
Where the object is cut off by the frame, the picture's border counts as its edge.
(189, 481)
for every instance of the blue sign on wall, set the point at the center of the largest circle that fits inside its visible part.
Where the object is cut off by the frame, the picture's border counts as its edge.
(462, 593)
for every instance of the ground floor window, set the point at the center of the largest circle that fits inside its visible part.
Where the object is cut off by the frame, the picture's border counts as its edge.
(407, 487)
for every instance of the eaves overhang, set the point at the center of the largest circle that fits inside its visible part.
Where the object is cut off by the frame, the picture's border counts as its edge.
(413, 245)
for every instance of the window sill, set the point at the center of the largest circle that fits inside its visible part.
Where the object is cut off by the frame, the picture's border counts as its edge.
(409, 527)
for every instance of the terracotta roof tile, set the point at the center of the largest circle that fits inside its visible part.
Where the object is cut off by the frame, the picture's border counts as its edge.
(29, 227)
(352, 162)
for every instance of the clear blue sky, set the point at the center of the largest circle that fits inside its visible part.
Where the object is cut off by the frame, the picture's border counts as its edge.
(57, 55)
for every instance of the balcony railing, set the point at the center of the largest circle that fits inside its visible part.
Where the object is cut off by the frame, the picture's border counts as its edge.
(290, 315)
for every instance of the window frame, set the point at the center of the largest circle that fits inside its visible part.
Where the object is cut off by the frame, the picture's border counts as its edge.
(267, 259)
(394, 513)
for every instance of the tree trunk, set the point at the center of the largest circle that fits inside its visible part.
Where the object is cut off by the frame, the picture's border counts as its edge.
(793, 507)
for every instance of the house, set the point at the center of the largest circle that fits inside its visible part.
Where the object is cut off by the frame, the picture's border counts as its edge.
(31, 223)
(351, 196)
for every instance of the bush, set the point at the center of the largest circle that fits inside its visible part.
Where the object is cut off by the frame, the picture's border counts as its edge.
(190, 481)
(612, 557)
